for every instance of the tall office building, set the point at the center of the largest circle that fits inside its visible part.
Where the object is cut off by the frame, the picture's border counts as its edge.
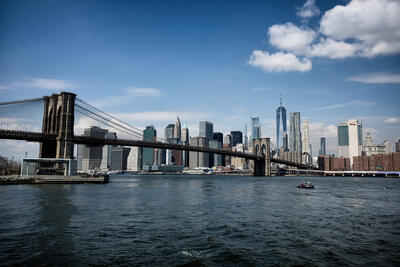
(218, 137)
(388, 146)
(281, 116)
(295, 132)
(185, 134)
(177, 129)
(119, 158)
(198, 159)
(305, 139)
(169, 132)
(350, 139)
(106, 157)
(206, 130)
(322, 150)
(149, 134)
(370, 148)
(255, 129)
(134, 162)
(92, 155)
(237, 138)
(398, 146)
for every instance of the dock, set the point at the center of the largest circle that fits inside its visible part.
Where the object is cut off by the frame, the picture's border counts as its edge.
(52, 179)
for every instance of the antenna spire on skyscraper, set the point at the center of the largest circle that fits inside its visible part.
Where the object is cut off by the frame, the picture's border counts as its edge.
(281, 99)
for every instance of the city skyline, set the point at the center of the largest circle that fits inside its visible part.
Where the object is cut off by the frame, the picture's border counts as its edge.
(138, 81)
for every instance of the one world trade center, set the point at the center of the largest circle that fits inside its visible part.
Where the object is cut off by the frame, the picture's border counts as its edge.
(281, 116)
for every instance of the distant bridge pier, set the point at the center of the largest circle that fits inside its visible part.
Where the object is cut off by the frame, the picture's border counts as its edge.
(262, 166)
(58, 119)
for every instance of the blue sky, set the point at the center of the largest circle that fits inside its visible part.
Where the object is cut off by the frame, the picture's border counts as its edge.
(222, 61)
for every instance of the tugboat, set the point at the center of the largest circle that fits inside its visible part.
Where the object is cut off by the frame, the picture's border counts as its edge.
(306, 185)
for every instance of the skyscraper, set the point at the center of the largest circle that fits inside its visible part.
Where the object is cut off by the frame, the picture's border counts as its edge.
(219, 137)
(237, 138)
(350, 139)
(206, 130)
(322, 150)
(295, 134)
(169, 132)
(305, 139)
(398, 146)
(255, 129)
(198, 159)
(92, 155)
(177, 129)
(185, 134)
(281, 116)
(106, 157)
(149, 134)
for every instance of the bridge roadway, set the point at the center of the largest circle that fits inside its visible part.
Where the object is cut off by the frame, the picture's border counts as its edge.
(86, 140)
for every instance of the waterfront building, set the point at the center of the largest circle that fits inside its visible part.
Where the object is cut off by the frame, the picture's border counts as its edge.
(119, 158)
(149, 134)
(255, 131)
(79, 157)
(177, 129)
(106, 157)
(322, 150)
(281, 117)
(206, 130)
(370, 148)
(350, 139)
(237, 138)
(388, 146)
(295, 132)
(238, 163)
(198, 159)
(92, 155)
(134, 162)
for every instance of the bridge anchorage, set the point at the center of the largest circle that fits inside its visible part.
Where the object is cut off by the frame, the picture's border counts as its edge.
(57, 137)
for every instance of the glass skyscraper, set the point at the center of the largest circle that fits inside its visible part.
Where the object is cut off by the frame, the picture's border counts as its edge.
(322, 150)
(255, 129)
(237, 138)
(149, 134)
(206, 130)
(281, 116)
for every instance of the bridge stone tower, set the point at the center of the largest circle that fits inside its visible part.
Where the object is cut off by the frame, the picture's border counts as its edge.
(262, 147)
(58, 119)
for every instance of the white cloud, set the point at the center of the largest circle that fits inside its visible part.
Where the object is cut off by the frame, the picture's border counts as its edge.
(137, 91)
(372, 23)
(41, 83)
(376, 78)
(289, 37)
(279, 62)
(330, 48)
(392, 120)
(308, 10)
(352, 103)
(361, 28)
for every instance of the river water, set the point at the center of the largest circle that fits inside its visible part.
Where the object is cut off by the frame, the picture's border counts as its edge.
(202, 220)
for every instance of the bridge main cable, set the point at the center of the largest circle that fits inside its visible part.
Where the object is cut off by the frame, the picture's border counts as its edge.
(21, 101)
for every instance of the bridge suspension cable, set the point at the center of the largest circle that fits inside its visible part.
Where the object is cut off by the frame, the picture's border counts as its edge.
(86, 110)
(23, 115)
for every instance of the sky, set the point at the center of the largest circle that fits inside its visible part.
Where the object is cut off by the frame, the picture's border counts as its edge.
(147, 62)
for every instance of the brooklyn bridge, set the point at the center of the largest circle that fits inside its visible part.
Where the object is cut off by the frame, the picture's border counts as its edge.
(63, 116)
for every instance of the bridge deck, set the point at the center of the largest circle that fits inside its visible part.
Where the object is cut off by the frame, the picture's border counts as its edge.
(86, 140)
